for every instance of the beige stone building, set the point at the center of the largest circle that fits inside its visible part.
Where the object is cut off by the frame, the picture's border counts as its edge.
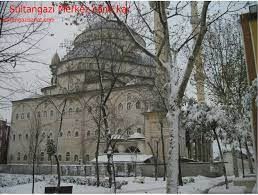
(133, 108)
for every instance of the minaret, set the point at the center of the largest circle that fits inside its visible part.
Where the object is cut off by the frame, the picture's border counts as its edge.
(203, 147)
(199, 72)
(53, 66)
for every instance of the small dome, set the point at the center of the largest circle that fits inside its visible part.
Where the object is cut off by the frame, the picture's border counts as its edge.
(55, 59)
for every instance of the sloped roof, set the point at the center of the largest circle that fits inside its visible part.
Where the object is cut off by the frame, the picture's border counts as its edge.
(117, 136)
(136, 136)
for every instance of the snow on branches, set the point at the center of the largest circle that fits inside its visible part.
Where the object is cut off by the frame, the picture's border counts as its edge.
(199, 119)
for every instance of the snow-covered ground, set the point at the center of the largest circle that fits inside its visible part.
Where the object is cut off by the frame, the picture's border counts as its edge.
(199, 185)
(231, 189)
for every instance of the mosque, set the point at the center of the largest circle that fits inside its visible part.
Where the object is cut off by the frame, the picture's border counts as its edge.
(134, 111)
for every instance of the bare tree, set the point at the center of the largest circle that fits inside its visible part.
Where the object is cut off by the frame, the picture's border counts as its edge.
(36, 138)
(18, 46)
(226, 74)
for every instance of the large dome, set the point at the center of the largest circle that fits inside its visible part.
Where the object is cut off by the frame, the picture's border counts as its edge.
(108, 40)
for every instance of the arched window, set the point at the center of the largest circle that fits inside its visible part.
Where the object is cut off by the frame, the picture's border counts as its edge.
(42, 156)
(67, 157)
(60, 157)
(22, 116)
(19, 156)
(26, 136)
(89, 109)
(25, 157)
(51, 113)
(76, 158)
(128, 96)
(88, 133)
(129, 106)
(50, 135)
(38, 114)
(61, 134)
(77, 110)
(43, 134)
(87, 157)
(120, 107)
(20, 136)
(138, 105)
(76, 134)
(28, 115)
(70, 111)
(139, 130)
(45, 114)
(129, 131)
(13, 137)
(68, 133)
(17, 116)
(119, 131)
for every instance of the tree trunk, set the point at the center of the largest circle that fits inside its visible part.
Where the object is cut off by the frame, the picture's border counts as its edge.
(135, 173)
(156, 161)
(97, 158)
(195, 150)
(51, 165)
(114, 177)
(58, 174)
(109, 170)
(249, 158)
(235, 163)
(180, 179)
(33, 174)
(163, 151)
(242, 159)
(222, 158)
(172, 162)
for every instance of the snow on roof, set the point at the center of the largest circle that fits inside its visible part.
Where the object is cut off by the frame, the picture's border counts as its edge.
(117, 136)
(124, 158)
(136, 136)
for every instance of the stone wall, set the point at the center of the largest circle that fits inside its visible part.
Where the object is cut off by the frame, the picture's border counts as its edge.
(229, 166)
(147, 170)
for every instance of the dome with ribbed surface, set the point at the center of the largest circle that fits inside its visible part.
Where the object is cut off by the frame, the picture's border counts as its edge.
(108, 40)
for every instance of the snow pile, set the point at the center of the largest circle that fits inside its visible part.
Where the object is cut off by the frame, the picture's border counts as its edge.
(7, 180)
(91, 181)
(200, 185)
(231, 190)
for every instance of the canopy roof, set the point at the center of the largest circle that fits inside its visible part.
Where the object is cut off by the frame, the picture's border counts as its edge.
(124, 158)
